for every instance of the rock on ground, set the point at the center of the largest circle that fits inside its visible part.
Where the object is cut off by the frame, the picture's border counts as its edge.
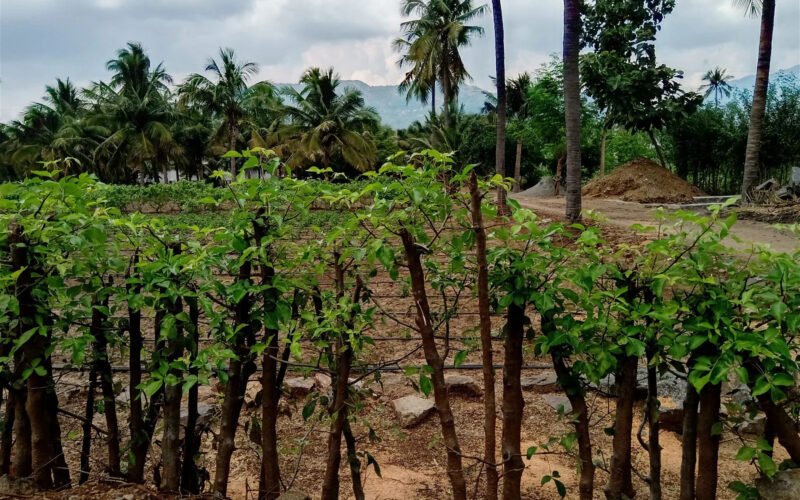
(558, 401)
(785, 485)
(461, 384)
(412, 410)
(294, 495)
(540, 384)
(297, 387)
(670, 415)
(252, 393)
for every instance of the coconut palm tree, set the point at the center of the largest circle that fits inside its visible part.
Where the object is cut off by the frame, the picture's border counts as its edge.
(572, 105)
(226, 95)
(499, 161)
(717, 84)
(767, 10)
(325, 125)
(136, 113)
(53, 129)
(431, 45)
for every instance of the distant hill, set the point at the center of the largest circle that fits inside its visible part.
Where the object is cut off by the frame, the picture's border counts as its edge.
(746, 83)
(396, 112)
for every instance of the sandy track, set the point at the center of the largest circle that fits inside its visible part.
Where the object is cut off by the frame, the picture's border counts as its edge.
(625, 214)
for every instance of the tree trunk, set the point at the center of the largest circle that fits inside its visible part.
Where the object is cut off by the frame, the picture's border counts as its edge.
(424, 324)
(141, 443)
(654, 446)
(170, 442)
(88, 416)
(487, 358)
(513, 403)
(338, 412)
(433, 99)
(518, 168)
(103, 371)
(603, 140)
(7, 436)
(236, 385)
(138, 440)
(500, 146)
(620, 483)
(657, 147)
(571, 384)
(22, 457)
(709, 430)
(190, 479)
(232, 147)
(689, 448)
(354, 462)
(754, 131)
(572, 107)
(270, 466)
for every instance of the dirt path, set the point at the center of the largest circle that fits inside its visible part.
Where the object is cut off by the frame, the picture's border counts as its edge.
(625, 214)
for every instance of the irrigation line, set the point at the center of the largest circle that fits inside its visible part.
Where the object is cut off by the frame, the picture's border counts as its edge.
(355, 369)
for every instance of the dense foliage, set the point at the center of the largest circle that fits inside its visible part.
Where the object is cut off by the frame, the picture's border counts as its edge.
(273, 287)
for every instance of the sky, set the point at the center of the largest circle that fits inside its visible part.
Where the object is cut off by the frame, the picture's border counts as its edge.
(41, 40)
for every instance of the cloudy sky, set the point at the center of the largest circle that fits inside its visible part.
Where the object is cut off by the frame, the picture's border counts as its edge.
(44, 39)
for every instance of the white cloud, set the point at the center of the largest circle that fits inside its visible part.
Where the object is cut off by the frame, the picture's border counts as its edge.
(44, 39)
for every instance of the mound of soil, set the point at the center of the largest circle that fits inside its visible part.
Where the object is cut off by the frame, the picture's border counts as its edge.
(543, 189)
(642, 181)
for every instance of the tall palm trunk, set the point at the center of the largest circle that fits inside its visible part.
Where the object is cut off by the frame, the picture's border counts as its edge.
(232, 146)
(759, 98)
(572, 102)
(500, 68)
(518, 167)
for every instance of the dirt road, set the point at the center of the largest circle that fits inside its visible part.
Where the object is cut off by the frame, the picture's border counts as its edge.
(625, 214)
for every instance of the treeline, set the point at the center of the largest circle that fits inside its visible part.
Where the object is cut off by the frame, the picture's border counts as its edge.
(140, 125)
(268, 290)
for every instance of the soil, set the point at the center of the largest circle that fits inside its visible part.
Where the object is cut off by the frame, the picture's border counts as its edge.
(620, 216)
(642, 181)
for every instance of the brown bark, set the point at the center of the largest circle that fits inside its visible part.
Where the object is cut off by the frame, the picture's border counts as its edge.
(518, 168)
(22, 454)
(654, 446)
(7, 439)
(232, 133)
(485, 319)
(657, 146)
(139, 440)
(708, 442)
(239, 370)
(424, 324)
(270, 467)
(88, 416)
(603, 140)
(513, 403)
(190, 479)
(620, 484)
(689, 448)
(758, 109)
(338, 411)
(572, 106)
(170, 442)
(103, 371)
(141, 443)
(571, 384)
(353, 462)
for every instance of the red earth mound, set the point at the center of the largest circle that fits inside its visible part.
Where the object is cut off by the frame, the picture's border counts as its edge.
(642, 181)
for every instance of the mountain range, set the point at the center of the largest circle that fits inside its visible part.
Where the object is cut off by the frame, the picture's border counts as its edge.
(398, 113)
(393, 109)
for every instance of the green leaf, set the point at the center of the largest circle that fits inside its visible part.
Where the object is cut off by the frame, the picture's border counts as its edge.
(460, 357)
(309, 408)
(746, 453)
(425, 384)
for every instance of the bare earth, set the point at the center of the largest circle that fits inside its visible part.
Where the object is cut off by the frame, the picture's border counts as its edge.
(625, 214)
